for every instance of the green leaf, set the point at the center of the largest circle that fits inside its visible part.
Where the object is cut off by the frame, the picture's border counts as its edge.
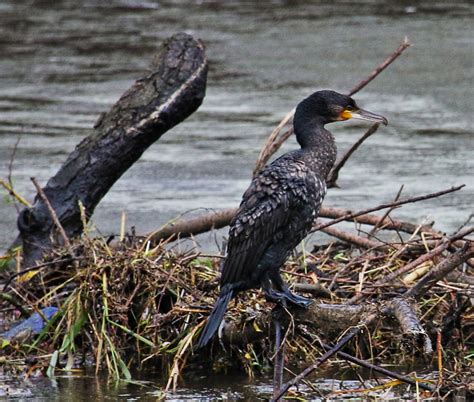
(52, 364)
(130, 332)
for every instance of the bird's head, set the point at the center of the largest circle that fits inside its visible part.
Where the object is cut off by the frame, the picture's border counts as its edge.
(330, 106)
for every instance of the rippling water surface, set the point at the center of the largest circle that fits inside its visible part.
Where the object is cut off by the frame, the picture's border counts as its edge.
(64, 62)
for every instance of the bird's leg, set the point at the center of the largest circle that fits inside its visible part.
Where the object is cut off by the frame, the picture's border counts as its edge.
(271, 294)
(282, 288)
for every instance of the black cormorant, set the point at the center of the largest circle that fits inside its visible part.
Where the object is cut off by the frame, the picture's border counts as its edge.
(280, 206)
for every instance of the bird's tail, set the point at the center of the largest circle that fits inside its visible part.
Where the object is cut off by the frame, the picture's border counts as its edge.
(214, 320)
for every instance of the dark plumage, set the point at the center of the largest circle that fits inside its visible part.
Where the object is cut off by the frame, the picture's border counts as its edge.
(280, 206)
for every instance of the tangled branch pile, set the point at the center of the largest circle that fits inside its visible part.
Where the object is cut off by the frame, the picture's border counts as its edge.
(135, 304)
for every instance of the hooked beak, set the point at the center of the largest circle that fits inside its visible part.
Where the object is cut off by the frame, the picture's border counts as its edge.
(362, 114)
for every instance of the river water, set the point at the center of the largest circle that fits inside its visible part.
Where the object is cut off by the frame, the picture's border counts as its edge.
(64, 62)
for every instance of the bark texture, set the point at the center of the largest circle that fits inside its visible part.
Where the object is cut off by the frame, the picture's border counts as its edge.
(173, 89)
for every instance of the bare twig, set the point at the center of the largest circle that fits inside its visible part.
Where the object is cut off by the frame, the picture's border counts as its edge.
(14, 194)
(12, 159)
(334, 173)
(336, 348)
(279, 364)
(54, 217)
(389, 60)
(386, 214)
(388, 205)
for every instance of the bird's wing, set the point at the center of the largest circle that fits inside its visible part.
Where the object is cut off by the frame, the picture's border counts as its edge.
(268, 205)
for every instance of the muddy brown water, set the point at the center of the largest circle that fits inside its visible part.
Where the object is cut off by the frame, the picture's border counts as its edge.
(64, 62)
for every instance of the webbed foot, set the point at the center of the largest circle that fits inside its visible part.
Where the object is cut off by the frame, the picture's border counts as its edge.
(299, 301)
(286, 297)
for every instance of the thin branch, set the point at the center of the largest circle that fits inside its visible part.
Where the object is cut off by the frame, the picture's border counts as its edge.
(389, 60)
(14, 194)
(12, 159)
(279, 364)
(388, 205)
(386, 214)
(54, 217)
(335, 349)
(334, 173)
(381, 370)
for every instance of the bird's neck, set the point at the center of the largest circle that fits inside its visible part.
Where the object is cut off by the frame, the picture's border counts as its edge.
(318, 147)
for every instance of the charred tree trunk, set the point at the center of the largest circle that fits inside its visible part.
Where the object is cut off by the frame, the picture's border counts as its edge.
(173, 90)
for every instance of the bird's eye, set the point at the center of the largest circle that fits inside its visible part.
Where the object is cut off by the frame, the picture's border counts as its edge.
(349, 108)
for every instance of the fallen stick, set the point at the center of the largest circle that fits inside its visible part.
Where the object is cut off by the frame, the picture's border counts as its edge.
(381, 370)
(354, 239)
(333, 317)
(441, 270)
(410, 325)
(221, 218)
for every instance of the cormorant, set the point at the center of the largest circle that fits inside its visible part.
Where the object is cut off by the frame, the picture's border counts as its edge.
(280, 206)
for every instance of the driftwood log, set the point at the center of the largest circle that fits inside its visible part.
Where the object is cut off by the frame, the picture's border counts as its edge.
(169, 93)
